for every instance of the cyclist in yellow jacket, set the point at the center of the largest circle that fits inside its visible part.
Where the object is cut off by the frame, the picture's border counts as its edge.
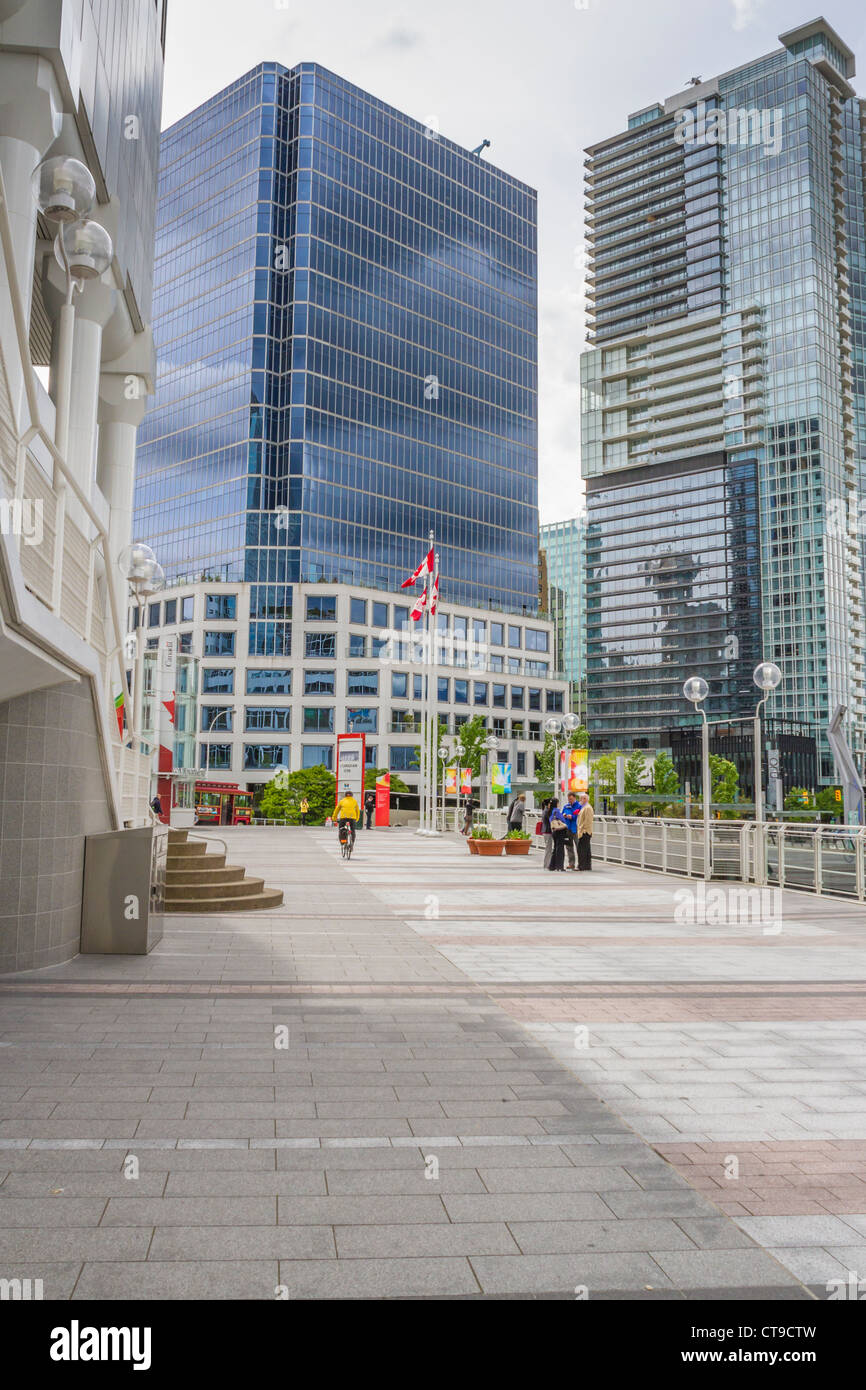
(347, 810)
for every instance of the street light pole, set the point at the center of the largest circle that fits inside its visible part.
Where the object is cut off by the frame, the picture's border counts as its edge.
(766, 677)
(696, 690)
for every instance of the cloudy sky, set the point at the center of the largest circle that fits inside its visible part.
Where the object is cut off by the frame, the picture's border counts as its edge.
(540, 80)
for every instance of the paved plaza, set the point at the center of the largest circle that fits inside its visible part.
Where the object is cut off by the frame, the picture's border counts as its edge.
(433, 1075)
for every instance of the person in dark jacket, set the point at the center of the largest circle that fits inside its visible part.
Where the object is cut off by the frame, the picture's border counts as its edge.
(558, 831)
(369, 807)
(546, 807)
(569, 814)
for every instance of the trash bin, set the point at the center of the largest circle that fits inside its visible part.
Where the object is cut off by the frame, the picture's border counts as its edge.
(124, 891)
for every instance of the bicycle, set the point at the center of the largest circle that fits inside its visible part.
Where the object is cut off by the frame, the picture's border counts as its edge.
(345, 837)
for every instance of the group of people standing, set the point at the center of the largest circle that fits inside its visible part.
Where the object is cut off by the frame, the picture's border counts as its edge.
(565, 828)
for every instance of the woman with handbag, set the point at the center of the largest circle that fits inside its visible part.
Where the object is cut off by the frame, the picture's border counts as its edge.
(558, 830)
(543, 828)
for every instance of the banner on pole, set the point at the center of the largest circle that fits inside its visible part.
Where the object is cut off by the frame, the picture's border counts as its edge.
(500, 779)
(466, 781)
(383, 799)
(573, 770)
(450, 781)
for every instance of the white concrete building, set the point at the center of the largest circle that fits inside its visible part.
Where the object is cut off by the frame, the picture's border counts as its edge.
(352, 667)
(80, 80)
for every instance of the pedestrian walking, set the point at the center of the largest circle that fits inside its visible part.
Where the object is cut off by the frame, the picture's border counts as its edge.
(558, 829)
(305, 810)
(515, 812)
(584, 833)
(369, 807)
(468, 808)
(569, 814)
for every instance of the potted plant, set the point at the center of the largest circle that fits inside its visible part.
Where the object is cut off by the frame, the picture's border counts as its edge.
(484, 843)
(517, 842)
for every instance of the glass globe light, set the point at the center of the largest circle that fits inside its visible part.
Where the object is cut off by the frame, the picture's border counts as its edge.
(88, 248)
(570, 723)
(491, 743)
(767, 676)
(63, 188)
(696, 689)
(553, 726)
(136, 562)
(152, 586)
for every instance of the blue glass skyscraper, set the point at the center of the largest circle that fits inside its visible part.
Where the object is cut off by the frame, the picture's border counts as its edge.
(345, 320)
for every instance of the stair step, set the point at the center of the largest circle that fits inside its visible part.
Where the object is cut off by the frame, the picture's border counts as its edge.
(186, 849)
(271, 897)
(211, 872)
(177, 837)
(241, 888)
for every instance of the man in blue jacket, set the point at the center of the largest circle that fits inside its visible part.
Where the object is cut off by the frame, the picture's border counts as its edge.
(570, 813)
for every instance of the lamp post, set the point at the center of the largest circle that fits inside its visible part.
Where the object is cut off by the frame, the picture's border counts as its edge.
(767, 677)
(697, 690)
(491, 745)
(145, 577)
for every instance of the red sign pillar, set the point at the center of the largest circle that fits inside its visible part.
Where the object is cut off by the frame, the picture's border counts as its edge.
(383, 799)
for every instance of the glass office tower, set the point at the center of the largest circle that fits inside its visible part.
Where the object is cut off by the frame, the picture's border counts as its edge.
(726, 230)
(345, 321)
(563, 544)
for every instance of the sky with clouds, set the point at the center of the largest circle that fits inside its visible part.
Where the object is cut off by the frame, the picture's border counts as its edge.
(540, 81)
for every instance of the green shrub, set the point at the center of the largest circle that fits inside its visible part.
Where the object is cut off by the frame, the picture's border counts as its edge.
(481, 832)
(518, 835)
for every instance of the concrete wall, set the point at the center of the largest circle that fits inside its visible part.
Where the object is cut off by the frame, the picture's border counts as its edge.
(52, 794)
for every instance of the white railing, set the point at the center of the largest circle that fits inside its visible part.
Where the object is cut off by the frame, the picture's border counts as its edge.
(63, 567)
(824, 859)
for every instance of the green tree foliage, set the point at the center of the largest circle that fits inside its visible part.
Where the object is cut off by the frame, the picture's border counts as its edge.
(666, 781)
(547, 768)
(635, 780)
(397, 783)
(471, 737)
(281, 798)
(828, 805)
(798, 799)
(724, 780)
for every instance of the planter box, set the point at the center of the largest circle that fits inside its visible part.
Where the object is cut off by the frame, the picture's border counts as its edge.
(517, 846)
(473, 848)
(488, 847)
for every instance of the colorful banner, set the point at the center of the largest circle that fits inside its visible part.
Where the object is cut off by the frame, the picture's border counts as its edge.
(466, 781)
(500, 779)
(450, 781)
(383, 799)
(573, 770)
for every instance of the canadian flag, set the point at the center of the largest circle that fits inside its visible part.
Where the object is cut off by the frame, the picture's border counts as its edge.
(425, 567)
(434, 603)
(420, 605)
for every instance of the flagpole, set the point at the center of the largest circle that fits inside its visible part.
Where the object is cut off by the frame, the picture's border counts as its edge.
(431, 696)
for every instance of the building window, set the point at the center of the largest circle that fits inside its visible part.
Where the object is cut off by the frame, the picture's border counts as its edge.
(399, 685)
(514, 637)
(275, 717)
(216, 720)
(418, 687)
(554, 702)
(269, 682)
(321, 644)
(153, 610)
(362, 682)
(499, 700)
(317, 755)
(322, 608)
(378, 645)
(480, 692)
(170, 611)
(517, 728)
(521, 764)
(216, 680)
(537, 668)
(534, 698)
(536, 640)
(479, 631)
(318, 720)
(403, 759)
(380, 615)
(219, 644)
(517, 697)
(357, 644)
(187, 609)
(444, 684)
(319, 683)
(401, 617)
(215, 755)
(266, 755)
(497, 635)
(184, 643)
(534, 730)
(371, 754)
(221, 606)
(358, 610)
(514, 665)
(495, 663)
(362, 721)
(499, 728)
(461, 692)
(270, 639)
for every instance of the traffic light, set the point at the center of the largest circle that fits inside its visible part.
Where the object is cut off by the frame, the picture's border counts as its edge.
(838, 794)
(804, 797)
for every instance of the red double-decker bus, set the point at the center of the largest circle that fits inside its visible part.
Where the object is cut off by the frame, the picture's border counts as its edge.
(222, 803)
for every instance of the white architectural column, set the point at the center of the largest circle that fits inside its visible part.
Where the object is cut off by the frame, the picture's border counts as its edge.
(120, 413)
(30, 120)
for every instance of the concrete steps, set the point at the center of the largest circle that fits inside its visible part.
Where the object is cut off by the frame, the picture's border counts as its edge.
(196, 881)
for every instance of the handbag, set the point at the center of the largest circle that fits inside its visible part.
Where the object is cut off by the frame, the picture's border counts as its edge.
(539, 827)
(556, 826)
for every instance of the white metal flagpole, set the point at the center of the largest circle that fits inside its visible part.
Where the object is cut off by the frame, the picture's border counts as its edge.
(431, 698)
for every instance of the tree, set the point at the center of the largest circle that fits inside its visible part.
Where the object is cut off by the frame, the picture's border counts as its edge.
(724, 780)
(798, 799)
(471, 736)
(603, 769)
(635, 778)
(830, 803)
(281, 798)
(666, 782)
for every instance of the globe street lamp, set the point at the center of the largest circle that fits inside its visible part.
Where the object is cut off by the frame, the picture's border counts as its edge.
(145, 577)
(767, 677)
(696, 690)
(491, 745)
